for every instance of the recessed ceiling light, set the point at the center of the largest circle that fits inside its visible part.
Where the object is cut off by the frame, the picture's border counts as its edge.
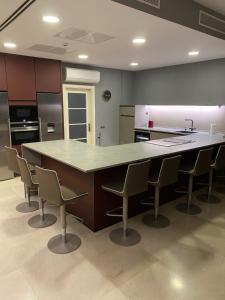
(83, 56)
(193, 53)
(50, 19)
(139, 40)
(134, 64)
(9, 45)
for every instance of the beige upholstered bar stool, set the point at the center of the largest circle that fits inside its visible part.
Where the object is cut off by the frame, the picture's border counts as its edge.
(200, 167)
(25, 207)
(50, 190)
(218, 164)
(135, 183)
(168, 174)
(30, 181)
(11, 155)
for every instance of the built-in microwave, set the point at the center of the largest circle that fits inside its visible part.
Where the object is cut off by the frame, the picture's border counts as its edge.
(23, 113)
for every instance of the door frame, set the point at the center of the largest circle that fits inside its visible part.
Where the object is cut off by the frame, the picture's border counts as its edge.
(90, 90)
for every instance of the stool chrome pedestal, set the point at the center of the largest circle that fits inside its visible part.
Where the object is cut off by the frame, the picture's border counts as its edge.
(135, 183)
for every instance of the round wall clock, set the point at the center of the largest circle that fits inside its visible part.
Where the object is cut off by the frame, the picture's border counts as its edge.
(107, 95)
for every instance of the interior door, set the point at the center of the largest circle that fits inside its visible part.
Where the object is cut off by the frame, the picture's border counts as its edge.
(78, 121)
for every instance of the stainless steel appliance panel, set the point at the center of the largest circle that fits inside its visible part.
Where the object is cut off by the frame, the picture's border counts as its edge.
(50, 116)
(5, 139)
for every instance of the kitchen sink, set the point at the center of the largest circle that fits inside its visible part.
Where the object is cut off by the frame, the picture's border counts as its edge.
(186, 131)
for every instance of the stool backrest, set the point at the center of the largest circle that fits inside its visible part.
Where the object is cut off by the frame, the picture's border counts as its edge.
(49, 188)
(203, 162)
(169, 170)
(11, 156)
(25, 171)
(136, 180)
(220, 158)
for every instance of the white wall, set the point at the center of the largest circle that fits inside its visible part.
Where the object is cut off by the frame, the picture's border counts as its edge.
(173, 116)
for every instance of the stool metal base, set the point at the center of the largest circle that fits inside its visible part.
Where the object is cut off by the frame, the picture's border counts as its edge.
(160, 222)
(132, 237)
(57, 244)
(212, 199)
(191, 210)
(42, 222)
(25, 208)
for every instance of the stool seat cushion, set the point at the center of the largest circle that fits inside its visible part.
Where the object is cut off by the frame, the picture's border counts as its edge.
(115, 187)
(68, 194)
(187, 169)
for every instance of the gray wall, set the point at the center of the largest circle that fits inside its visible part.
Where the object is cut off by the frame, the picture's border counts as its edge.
(200, 83)
(120, 83)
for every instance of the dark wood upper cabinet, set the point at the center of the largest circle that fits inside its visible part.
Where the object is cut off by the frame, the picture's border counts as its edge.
(48, 75)
(3, 82)
(20, 77)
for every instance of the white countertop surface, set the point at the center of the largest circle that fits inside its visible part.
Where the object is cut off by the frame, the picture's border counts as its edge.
(89, 158)
(164, 129)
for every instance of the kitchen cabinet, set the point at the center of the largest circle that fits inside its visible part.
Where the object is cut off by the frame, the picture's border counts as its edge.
(156, 135)
(48, 75)
(20, 78)
(126, 134)
(3, 82)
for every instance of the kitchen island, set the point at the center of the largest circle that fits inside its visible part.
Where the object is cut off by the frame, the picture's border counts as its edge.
(87, 167)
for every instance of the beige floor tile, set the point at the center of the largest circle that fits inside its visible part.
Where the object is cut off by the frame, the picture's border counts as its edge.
(13, 286)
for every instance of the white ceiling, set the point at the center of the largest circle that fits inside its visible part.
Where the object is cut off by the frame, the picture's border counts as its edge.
(217, 5)
(167, 43)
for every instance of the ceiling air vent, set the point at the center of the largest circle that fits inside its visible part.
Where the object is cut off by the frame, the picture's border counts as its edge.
(211, 22)
(153, 3)
(48, 49)
(84, 36)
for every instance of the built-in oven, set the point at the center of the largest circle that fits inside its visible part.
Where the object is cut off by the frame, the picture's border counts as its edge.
(24, 132)
(142, 136)
(23, 113)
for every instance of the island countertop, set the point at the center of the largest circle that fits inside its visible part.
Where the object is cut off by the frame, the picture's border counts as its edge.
(90, 158)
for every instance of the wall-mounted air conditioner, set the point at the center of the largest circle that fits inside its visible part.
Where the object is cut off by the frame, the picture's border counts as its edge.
(82, 76)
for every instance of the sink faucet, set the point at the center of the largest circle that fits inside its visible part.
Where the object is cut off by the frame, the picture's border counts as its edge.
(192, 124)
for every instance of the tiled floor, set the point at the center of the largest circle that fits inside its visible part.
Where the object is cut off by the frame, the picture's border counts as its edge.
(182, 262)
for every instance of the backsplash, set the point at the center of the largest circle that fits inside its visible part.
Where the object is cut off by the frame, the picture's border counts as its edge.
(173, 116)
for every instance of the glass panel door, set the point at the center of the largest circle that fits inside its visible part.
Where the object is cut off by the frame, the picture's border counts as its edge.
(77, 116)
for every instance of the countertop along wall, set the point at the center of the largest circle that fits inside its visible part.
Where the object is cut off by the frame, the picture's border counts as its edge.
(201, 83)
(120, 83)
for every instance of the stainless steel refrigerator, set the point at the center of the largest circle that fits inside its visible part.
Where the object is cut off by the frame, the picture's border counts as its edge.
(4, 136)
(50, 116)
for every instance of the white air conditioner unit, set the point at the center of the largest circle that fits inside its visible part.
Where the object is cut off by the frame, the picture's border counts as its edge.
(82, 76)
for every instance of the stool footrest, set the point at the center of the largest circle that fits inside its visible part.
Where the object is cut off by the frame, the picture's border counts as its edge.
(112, 212)
(146, 202)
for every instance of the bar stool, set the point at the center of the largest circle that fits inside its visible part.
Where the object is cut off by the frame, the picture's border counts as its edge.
(167, 175)
(201, 166)
(30, 182)
(135, 183)
(218, 164)
(50, 190)
(11, 156)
